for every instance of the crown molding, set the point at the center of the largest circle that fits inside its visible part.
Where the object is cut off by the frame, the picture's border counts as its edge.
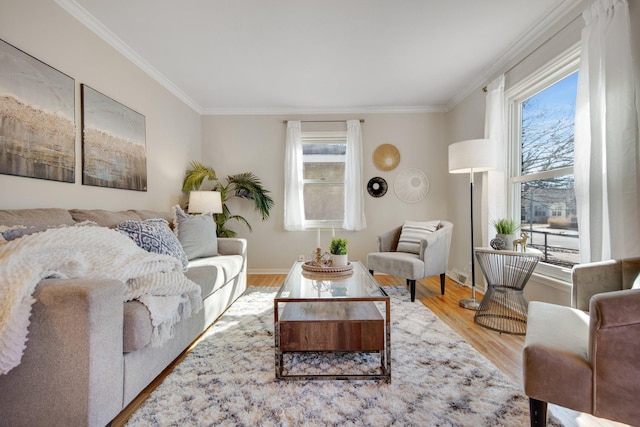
(560, 12)
(89, 21)
(307, 110)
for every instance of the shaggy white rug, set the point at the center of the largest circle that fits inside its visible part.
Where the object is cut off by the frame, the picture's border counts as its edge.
(438, 379)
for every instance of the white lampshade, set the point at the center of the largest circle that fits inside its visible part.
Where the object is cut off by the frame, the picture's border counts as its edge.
(205, 202)
(475, 155)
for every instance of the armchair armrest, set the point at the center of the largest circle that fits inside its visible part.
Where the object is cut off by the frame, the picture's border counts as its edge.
(388, 241)
(614, 334)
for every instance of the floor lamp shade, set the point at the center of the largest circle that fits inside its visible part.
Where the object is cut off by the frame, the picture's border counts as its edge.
(475, 155)
(205, 202)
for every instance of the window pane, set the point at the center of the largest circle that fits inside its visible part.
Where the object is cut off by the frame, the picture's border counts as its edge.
(548, 214)
(324, 171)
(547, 127)
(324, 202)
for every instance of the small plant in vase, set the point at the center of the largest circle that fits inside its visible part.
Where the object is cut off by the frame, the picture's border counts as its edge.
(338, 250)
(506, 231)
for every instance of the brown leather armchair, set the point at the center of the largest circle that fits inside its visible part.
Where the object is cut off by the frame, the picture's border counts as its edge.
(587, 361)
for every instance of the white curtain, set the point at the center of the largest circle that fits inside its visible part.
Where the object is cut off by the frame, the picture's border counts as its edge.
(293, 185)
(606, 153)
(494, 195)
(354, 218)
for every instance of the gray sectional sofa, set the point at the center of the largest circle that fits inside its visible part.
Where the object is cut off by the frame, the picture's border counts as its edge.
(88, 353)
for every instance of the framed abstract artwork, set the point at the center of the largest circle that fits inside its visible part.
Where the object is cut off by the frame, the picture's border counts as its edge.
(113, 143)
(37, 118)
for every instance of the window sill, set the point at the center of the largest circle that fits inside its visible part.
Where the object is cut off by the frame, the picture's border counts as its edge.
(552, 282)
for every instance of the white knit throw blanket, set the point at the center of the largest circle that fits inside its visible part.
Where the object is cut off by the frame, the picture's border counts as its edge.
(92, 253)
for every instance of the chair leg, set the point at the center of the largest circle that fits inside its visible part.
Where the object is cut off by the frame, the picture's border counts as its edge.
(371, 272)
(537, 412)
(442, 276)
(412, 286)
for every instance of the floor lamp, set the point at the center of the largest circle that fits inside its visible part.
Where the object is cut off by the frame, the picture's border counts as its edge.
(476, 155)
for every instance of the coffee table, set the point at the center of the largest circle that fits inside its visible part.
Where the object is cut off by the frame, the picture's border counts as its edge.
(341, 312)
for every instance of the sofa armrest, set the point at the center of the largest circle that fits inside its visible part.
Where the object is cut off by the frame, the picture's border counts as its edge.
(388, 241)
(613, 338)
(71, 371)
(232, 246)
(594, 278)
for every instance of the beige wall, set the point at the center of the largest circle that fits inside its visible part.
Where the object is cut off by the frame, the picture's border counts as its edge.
(234, 144)
(44, 30)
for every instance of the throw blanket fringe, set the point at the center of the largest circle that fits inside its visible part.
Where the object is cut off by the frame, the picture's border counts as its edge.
(93, 253)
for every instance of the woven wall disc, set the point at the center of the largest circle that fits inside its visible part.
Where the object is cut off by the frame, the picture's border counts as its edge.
(386, 157)
(377, 187)
(411, 185)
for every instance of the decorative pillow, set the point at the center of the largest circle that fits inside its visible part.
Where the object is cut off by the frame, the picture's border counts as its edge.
(196, 233)
(17, 231)
(155, 236)
(413, 232)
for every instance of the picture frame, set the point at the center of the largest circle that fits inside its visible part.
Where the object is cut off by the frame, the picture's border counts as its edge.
(113, 143)
(37, 118)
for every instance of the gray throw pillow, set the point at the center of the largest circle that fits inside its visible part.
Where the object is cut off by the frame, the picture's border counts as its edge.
(413, 232)
(196, 233)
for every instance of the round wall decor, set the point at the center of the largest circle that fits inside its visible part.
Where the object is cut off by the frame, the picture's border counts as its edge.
(386, 157)
(411, 185)
(377, 187)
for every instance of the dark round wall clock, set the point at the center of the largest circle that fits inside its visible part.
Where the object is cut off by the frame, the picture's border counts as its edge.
(377, 186)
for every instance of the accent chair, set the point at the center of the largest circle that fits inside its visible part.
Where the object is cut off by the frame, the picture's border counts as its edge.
(414, 250)
(587, 361)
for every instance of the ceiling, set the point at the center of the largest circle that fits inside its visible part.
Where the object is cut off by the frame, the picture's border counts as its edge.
(319, 56)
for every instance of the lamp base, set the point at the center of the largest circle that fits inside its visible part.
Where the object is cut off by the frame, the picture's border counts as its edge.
(470, 304)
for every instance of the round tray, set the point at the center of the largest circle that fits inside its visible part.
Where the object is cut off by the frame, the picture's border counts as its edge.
(334, 270)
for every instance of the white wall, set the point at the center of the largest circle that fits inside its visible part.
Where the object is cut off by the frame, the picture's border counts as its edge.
(173, 135)
(234, 144)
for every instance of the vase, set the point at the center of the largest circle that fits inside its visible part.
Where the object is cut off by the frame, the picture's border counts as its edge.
(508, 240)
(339, 260)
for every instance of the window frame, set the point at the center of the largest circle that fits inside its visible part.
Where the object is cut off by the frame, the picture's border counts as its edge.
(314, 137)
(555, 70)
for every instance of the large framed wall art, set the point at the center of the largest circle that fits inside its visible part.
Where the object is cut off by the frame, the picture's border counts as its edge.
(37, 118)
(113, 143)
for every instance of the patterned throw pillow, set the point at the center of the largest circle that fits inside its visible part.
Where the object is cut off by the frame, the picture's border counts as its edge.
(196, 233)
(413, 232)
(155, 236)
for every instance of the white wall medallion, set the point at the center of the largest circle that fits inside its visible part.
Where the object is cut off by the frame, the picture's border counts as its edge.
(386, 157)
(411, 185)
(377, 186)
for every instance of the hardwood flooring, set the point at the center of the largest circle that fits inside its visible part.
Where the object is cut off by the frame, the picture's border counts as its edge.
(503, 350)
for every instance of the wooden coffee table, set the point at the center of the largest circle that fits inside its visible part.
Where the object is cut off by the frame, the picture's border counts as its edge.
(336, 312)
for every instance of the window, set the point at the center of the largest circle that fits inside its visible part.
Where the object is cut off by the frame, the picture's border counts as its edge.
(541, 121)
(324, 158)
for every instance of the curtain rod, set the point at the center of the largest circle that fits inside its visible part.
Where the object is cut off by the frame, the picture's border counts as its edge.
(321, 121)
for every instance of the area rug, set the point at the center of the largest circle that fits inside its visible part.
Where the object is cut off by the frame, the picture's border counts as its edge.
(438, 379)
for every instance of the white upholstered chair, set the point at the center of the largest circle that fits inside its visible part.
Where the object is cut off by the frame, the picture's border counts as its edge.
(412, 253)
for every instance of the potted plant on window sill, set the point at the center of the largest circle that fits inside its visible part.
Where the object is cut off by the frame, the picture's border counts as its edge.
(338, 250)
(506, 231)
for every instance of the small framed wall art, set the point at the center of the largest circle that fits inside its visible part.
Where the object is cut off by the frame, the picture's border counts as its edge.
(113, 143)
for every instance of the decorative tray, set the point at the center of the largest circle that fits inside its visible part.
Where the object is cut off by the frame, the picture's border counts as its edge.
(307, 266)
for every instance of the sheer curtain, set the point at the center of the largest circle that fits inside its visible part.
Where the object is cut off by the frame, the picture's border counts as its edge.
(494, 195)
(606, 137)
(354, 218)
(293, 185)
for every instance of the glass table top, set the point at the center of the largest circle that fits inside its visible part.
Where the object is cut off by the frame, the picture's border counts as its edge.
(301, 285)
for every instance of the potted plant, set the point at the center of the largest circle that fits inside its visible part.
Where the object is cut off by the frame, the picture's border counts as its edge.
(244, 185)
(506, 231)
(338, 250)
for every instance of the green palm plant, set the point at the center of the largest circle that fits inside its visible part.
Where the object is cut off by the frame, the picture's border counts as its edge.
(245, 185)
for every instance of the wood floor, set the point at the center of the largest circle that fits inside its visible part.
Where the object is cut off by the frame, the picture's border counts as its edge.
(503, 350)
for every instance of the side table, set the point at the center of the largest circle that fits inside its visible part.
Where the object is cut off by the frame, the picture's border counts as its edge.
(504, 307)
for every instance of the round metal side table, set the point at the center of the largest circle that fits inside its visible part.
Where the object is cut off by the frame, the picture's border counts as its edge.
(504, 307)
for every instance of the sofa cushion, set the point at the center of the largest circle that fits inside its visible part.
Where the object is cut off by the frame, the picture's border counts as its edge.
(146, 214)
(104, 218)
(155, 236)
(213, 272)
(413, 232)
(197, 233)
(137, 328)
(49, 217)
